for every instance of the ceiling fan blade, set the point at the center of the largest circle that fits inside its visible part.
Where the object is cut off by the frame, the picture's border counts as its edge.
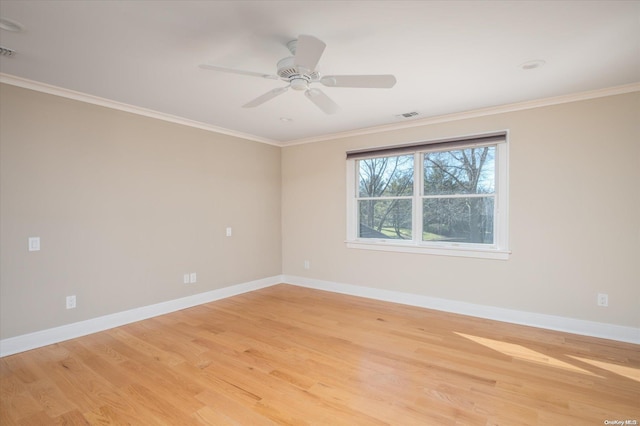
(384, 81)
(266, 97)
(236, 71)
(322, 101)
(308, 52)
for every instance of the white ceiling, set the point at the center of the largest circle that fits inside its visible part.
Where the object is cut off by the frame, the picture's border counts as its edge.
(448, 56)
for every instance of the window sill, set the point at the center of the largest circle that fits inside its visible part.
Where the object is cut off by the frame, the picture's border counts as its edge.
(383, 245)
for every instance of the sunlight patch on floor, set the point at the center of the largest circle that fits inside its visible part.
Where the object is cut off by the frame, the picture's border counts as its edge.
(628, 372)
(525, 354)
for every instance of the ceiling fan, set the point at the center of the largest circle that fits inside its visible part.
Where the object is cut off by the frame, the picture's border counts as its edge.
(300, 71)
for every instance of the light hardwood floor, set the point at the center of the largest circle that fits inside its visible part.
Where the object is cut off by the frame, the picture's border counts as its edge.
(290, 355)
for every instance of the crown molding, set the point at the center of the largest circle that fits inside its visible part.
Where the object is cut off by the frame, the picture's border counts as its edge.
(96, 100)
(500, 109)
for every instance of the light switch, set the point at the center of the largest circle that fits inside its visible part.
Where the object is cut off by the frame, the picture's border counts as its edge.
(34, 243)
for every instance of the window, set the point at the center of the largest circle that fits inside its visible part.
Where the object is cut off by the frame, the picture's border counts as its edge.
(444, 197)
(385, 197)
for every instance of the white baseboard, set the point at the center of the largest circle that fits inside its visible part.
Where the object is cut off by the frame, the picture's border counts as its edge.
(550, 322)
(50, 336)
(41, 338)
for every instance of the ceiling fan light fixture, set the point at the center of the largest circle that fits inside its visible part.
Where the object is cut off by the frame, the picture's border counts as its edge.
(299, 83)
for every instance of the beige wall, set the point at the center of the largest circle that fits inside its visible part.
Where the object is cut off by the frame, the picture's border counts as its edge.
(124, 206)
(574, 215)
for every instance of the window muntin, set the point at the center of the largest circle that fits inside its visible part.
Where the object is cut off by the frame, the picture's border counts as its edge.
(457, 205)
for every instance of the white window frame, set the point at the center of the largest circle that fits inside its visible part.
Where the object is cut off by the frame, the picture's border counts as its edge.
(498, 250)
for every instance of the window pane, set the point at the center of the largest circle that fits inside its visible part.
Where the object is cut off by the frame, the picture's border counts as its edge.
(463, 171)
(385, 219)
(386, 176)
(463, 220)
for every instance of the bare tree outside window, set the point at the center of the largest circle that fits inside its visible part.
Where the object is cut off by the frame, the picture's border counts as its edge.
(385, 189)
(459, 195)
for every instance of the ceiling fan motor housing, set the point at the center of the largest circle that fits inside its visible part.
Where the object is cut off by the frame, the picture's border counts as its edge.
(298, 77)
(300, 72)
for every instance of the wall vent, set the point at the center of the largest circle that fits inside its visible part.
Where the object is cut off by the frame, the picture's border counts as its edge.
(408, 114)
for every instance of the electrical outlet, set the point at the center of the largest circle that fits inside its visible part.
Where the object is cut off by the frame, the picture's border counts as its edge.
(71, 302)
(229, 231)
(307, 264)
(186, 279)
(34, 243)
(603, 299)
(192, 278)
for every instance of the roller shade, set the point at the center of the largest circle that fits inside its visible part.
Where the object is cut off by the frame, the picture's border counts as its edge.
(430, 145)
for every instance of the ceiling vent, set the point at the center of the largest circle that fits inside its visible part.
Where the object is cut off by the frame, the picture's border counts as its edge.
(4, 51)
(407, 115)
